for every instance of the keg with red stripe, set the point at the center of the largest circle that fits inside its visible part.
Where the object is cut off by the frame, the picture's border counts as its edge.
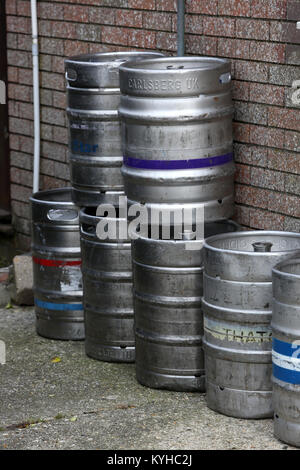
(57, 265)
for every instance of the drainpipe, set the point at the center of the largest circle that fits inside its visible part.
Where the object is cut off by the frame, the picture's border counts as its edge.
(180, 27)
(36, 97)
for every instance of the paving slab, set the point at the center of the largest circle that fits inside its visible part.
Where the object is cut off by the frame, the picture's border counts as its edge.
(80, 403)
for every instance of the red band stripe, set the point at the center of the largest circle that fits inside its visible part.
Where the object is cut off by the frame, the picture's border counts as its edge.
(54, 262)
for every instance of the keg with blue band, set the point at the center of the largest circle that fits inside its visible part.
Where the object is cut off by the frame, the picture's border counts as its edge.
(178, 164)
(286, 361)
(57, 306)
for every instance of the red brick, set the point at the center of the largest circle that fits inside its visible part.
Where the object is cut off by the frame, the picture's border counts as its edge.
(75, 48)
(275, 9)
(267, 52)
(241, 132)
(76, 13)
(23, 8)
(240, 90)
(209, 45)
(276, 31)
(293, 10)
(19, 176)
(193, 24)
(14, 142)
(20, 193)
(241, 49)
(284, 204)
(166, 5)
(52, 116)
(266, 136)
(114, 35)
(252, 29)
(284, 118)
(46, 97)
(58, 64)
(251, 196)
(269, 94)
(267, 179)
(204, 7)
(52, 81)
(158, 21)
(50, 11)
(290, 33)
(142, 4)
(102, 15)
(264, 220)
(64, 30)
(243, 174)
(59, 100)
(143, 39)
(251, 71)
(11, 7)
(167, 41)
(132, 18)
(226, 47)
(251, 154)
(234, 7)
(52, 46)
(24, 42)
(292, 141)
(213, 26)
(12, 74)
(17, 24)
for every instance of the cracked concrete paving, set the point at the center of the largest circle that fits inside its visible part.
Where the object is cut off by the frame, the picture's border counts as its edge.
(80, 403)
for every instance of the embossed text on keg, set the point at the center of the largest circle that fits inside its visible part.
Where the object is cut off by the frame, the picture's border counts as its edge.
(149, 85)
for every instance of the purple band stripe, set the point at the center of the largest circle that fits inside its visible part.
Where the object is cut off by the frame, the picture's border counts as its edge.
(178, 164)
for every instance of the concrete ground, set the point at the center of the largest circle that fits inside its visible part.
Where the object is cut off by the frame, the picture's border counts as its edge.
(80, 403)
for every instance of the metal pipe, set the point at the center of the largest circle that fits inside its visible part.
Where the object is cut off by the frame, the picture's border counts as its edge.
(36, 97)
(180, 27)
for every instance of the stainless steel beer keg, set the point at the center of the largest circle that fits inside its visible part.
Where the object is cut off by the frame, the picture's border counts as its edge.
(237, 309)
(107, 281)
(286, 350)
(168, 276)
(176, 115)
(57, 265)
(94, 130)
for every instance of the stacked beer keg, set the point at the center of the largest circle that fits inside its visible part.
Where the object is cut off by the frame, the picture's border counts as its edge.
(176, 118)
(95, 156)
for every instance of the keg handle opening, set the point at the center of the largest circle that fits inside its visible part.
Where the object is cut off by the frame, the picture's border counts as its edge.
(262, 247)
(71, 75)
(62, 215)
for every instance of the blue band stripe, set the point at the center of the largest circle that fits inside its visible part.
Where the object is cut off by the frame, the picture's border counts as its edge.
(54, 306)
(286, 349)
(286, 375)
(178, 164)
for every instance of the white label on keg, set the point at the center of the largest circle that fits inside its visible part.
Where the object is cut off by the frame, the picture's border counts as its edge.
(71, 279)
(238, 333)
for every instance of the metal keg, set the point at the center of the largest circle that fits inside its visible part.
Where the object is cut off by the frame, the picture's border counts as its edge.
(176, 115)
(93, 96)
(107, 281)
(168, 316)
(237, 309)
(286, 351)
(57, 265)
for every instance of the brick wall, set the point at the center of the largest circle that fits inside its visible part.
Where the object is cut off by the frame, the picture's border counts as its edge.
(258, 35)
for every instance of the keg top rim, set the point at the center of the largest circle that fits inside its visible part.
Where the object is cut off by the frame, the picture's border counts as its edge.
(108, 57)
(209, 242)
(44, 197)
(175, 64)
(280, 268)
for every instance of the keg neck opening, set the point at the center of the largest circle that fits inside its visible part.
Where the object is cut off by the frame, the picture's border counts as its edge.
(262, 247)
